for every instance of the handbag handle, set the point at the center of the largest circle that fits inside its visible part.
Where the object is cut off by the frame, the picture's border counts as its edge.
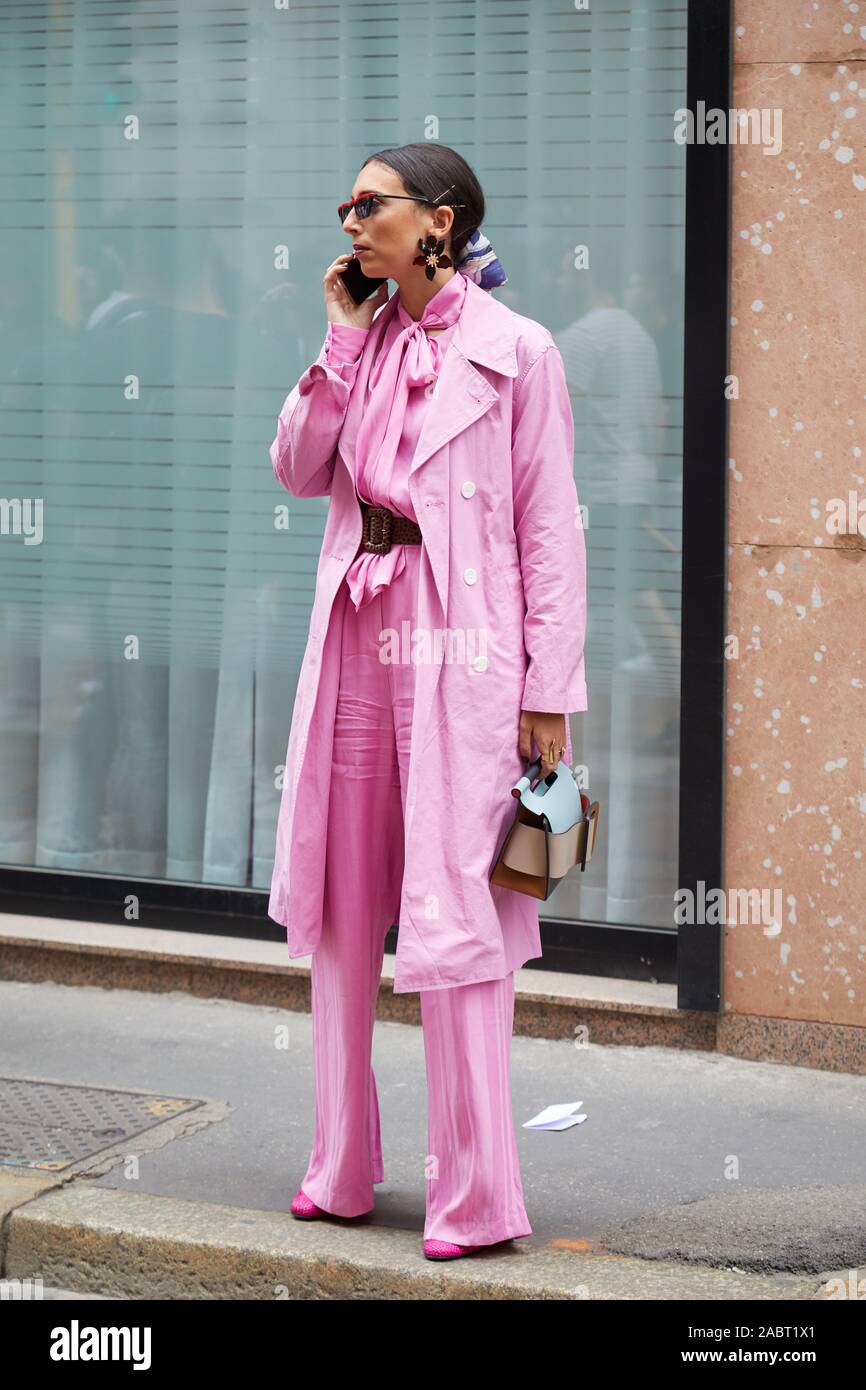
(532, 772)
(525, 782)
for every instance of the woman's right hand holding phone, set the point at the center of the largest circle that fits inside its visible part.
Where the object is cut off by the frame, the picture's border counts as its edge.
(339, 304)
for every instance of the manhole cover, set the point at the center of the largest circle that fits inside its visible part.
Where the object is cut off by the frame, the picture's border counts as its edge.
(48, 1125)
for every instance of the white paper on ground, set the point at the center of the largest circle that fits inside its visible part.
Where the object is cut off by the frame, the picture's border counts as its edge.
(556, 1117)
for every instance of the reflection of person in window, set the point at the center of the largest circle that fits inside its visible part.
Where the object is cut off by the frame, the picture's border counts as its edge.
(614, 375)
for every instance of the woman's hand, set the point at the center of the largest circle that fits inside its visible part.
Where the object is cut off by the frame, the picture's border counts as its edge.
(548, 730)
(339, 304)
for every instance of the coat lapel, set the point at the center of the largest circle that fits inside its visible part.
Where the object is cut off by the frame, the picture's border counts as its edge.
(485, 336)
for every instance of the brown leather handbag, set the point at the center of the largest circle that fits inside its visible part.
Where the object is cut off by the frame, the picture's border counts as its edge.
(554, 830)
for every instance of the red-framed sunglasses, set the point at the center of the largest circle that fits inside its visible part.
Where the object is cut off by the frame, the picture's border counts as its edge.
(365, 202)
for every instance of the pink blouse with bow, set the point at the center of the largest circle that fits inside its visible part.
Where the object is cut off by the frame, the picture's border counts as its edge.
(386, 485)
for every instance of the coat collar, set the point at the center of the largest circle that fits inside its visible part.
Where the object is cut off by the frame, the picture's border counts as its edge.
(485, 336)
(486, 330)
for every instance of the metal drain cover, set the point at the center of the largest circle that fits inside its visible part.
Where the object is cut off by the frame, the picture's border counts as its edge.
(49, 1125)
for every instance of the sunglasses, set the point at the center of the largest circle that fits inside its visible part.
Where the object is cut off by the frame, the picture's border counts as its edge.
(365, 202)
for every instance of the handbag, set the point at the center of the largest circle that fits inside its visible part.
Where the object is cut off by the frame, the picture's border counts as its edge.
(554, 830)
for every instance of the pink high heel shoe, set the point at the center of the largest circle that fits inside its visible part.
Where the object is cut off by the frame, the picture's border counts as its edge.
(446, 1250)
(305, 1208)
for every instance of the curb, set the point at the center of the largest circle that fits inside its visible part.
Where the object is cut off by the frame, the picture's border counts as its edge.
(540, 1010)
(140, 1246)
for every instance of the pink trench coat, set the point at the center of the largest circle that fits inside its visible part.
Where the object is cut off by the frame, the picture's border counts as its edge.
(502, 575)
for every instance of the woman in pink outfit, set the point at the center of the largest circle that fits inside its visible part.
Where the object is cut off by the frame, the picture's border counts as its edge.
(438, 423)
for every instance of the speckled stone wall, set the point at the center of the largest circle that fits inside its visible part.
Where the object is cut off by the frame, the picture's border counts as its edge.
(796, 688)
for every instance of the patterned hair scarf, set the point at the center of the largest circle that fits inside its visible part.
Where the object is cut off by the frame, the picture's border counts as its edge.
(478, 261)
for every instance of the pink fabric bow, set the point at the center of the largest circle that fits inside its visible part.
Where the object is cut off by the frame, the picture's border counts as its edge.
(413, 359)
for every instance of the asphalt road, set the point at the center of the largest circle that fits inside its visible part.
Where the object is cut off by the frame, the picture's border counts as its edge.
(685, 1155)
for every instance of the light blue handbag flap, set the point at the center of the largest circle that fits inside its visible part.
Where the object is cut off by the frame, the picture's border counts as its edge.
(560, 801)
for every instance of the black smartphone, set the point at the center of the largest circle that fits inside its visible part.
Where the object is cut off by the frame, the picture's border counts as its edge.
(359, 285)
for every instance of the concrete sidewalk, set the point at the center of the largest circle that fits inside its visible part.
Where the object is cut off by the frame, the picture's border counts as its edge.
(695, 1175)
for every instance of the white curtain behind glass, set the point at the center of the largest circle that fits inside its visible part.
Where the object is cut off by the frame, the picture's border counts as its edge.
(147, 341)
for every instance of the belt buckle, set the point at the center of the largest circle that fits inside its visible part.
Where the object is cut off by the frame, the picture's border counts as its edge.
(376, 535)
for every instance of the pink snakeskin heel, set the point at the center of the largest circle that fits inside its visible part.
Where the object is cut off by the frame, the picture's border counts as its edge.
(446, 1250)
(305, 1208)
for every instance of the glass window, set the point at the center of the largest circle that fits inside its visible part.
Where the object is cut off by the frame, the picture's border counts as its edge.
(170, 207)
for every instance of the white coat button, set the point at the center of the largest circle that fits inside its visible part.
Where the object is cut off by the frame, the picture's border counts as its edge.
(468, 489)
(470, 576)
(480, 663)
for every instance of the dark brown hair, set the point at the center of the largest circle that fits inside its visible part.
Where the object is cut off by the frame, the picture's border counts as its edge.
(428, 170)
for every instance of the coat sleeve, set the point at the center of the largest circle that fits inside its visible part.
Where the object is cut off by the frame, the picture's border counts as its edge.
(550, 538)
(308, 427)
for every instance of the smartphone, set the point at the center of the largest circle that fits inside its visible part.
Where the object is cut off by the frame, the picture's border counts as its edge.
(359, 285)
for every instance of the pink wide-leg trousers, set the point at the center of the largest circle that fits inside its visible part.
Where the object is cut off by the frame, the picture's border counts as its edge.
(474, 1194)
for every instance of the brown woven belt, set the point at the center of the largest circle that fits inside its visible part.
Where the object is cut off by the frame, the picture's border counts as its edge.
(384, 528)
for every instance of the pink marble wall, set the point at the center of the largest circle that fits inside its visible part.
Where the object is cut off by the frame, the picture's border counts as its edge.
(795, 765)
